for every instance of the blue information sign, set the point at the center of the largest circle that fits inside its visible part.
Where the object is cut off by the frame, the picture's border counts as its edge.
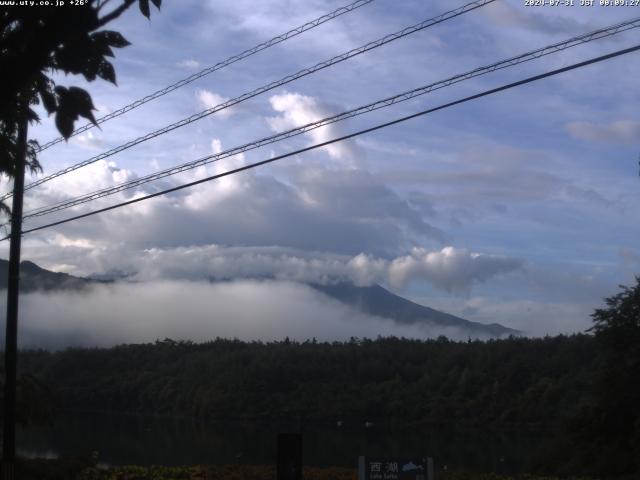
(373, 468)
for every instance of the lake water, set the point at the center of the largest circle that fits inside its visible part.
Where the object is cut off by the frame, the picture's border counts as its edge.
(146, 440)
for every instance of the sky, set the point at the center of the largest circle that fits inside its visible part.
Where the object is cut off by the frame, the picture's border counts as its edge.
(516, 208)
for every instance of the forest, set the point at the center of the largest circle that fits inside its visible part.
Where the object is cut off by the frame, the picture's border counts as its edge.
(579, 390)
(545, 384)
(517, 382)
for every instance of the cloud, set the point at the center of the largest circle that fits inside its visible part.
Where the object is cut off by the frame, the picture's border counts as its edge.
(621, 131)
(297, 110)
(450, 268)
(248, 310)
(629, 256)
(261, 20)
(359, 195)
(532, 317)
(346, 211)
(207, 100)
(505, 15)
(489, 181)
(448, 159)
(78, 242)
(188, 64)
(224, 263)
(588, 195)
(95, 176)
(88, 141)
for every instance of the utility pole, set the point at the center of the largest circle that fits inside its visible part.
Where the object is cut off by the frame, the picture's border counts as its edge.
(13, 289)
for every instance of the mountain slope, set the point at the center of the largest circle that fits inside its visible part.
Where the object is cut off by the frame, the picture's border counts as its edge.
(374, 300)
(33, 278)
(378, 301)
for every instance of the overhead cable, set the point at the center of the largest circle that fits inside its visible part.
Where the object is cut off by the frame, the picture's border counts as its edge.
(278, 83)
(342, 138)
(386, 102)
(218, 66)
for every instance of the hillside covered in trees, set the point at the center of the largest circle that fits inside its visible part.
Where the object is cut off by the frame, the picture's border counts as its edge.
(534, 382)
(550, 385)
(580, 390)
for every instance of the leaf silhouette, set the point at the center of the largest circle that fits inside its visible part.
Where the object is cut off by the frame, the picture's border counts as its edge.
(107, 72)
(144, 8)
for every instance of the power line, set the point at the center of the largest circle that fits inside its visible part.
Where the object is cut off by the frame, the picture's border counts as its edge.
(525, 57)
(218, 66)
(278, 83)
(345, 137)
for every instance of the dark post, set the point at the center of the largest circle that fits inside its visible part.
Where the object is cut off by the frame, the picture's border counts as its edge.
(289, 456)
(13, 286)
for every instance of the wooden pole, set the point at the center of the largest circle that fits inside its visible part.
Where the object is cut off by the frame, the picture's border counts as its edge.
(13, 290)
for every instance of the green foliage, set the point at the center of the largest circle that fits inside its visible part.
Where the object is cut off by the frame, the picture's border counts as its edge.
(617, 327)
(37, 42)
(530, 382)
(71, 103)
(545, 384)
(610, 430)
(34, 401)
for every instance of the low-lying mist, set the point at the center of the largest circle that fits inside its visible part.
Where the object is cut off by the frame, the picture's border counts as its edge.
(106, 315)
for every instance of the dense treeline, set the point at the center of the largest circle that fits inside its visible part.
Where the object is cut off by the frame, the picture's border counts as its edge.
(581, 389)
(537, 382)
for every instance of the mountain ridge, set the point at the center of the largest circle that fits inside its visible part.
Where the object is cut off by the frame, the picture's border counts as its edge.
(373, 300)
(378, 301)
(34, 278)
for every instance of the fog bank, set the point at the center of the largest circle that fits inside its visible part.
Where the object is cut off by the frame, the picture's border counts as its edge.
(106, 315)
